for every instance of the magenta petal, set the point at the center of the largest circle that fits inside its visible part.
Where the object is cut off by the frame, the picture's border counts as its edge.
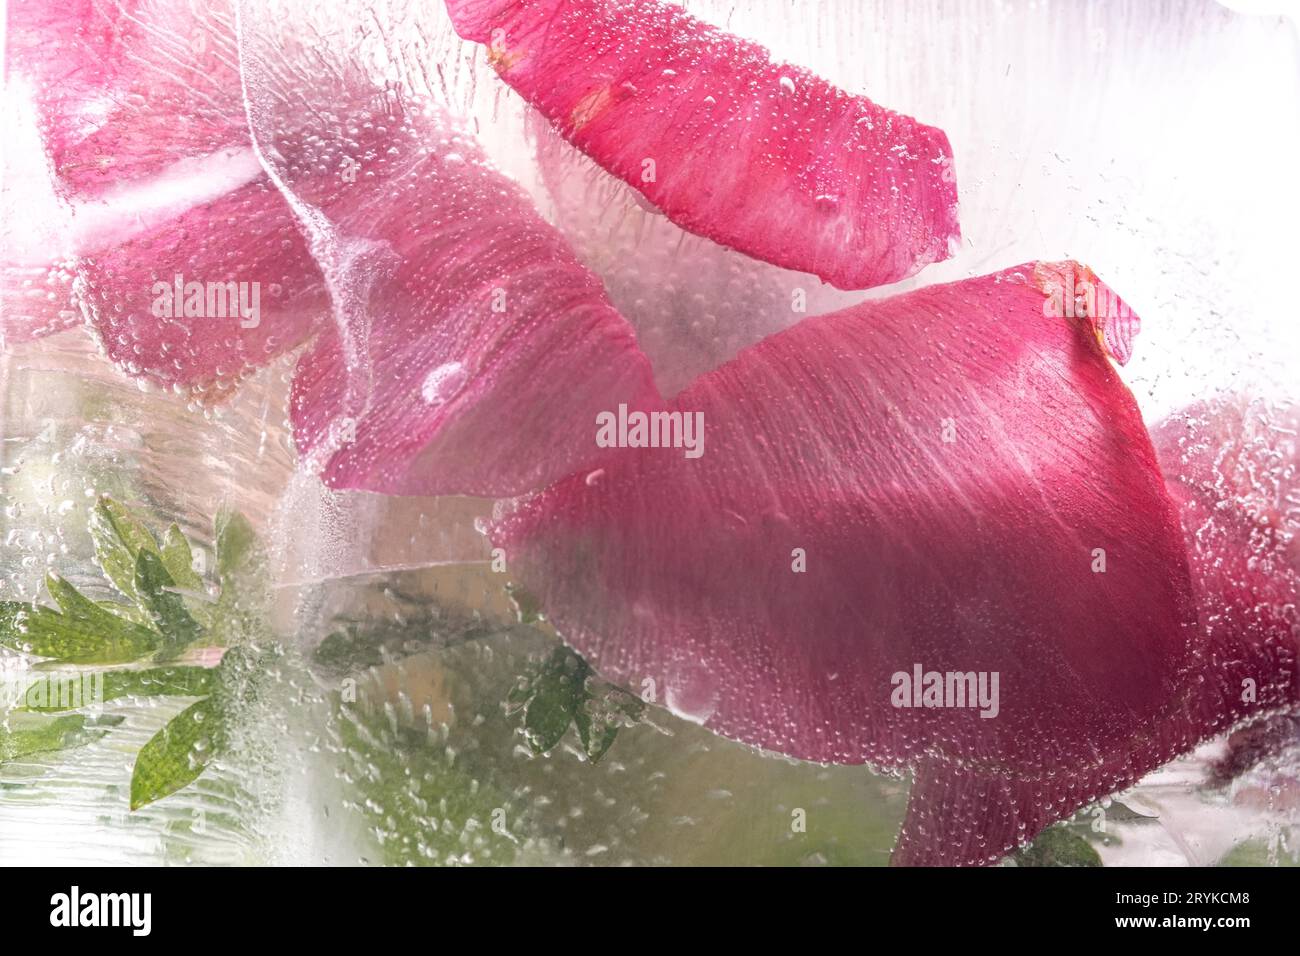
(1232, 467)
(246, 245)
(470, 351)
(1234, 472)
(126, 88)
(142, 115)
(487, 349)
(1075, 292)
(762, 156)
(948, 466)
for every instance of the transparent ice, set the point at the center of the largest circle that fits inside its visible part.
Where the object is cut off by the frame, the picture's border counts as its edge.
(1155, 143)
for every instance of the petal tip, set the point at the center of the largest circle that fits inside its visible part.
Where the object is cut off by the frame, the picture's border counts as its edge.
(1074, 292)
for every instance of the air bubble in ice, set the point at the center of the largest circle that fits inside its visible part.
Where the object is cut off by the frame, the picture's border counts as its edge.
(443, 383)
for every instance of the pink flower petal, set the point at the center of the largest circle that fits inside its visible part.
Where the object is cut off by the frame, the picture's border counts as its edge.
(485, 350)
(470, 351)
(948, 466)
(126, 88)
(261, 291)
(762, 156)
(478, 350)
(1232, 468)
(142, 116)
(1234, 471)
(1075, 292)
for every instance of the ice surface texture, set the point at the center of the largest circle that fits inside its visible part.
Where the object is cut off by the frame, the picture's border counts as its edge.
(946, 466)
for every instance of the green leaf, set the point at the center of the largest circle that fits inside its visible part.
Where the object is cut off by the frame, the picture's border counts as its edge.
(12, 616)
(555, 695)
(85, 633)
(596, 736)
(45, 696)
(528, 609)
(563, 691)
(170, 617)
(162, 621)
(241, 572)
(47, 735)
(423, 806)
(240, 561)
(1120, 813)
(128, 612)
(358, 646)
(1058, 846)
(178, 559)
(176, 755)
(1260, 853)
(351, 649)
(119, 537)
(601, 717)
(70, 600)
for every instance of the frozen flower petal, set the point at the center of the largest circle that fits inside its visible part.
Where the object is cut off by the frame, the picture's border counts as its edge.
(952, 481)
(762, 156)
(1244, 569)
(470, 352)
(189, 264)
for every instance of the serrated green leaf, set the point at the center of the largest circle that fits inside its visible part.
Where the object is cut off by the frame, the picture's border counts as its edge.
(528, 609)
(176, 755)
(69, 599)
(178, 559)
(85, 633)
(168, 612)
(602, 716)
(127, 612)
(118, 536)
(422, 801)
(596, 736)
(1058, 846)
(351, 649)
(1261, 853)
(46, 735)
(556, 695)
(12, 614)
(553, 698)
(563, 691)
(162, 621)
(102, 687)
(1120, 813)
